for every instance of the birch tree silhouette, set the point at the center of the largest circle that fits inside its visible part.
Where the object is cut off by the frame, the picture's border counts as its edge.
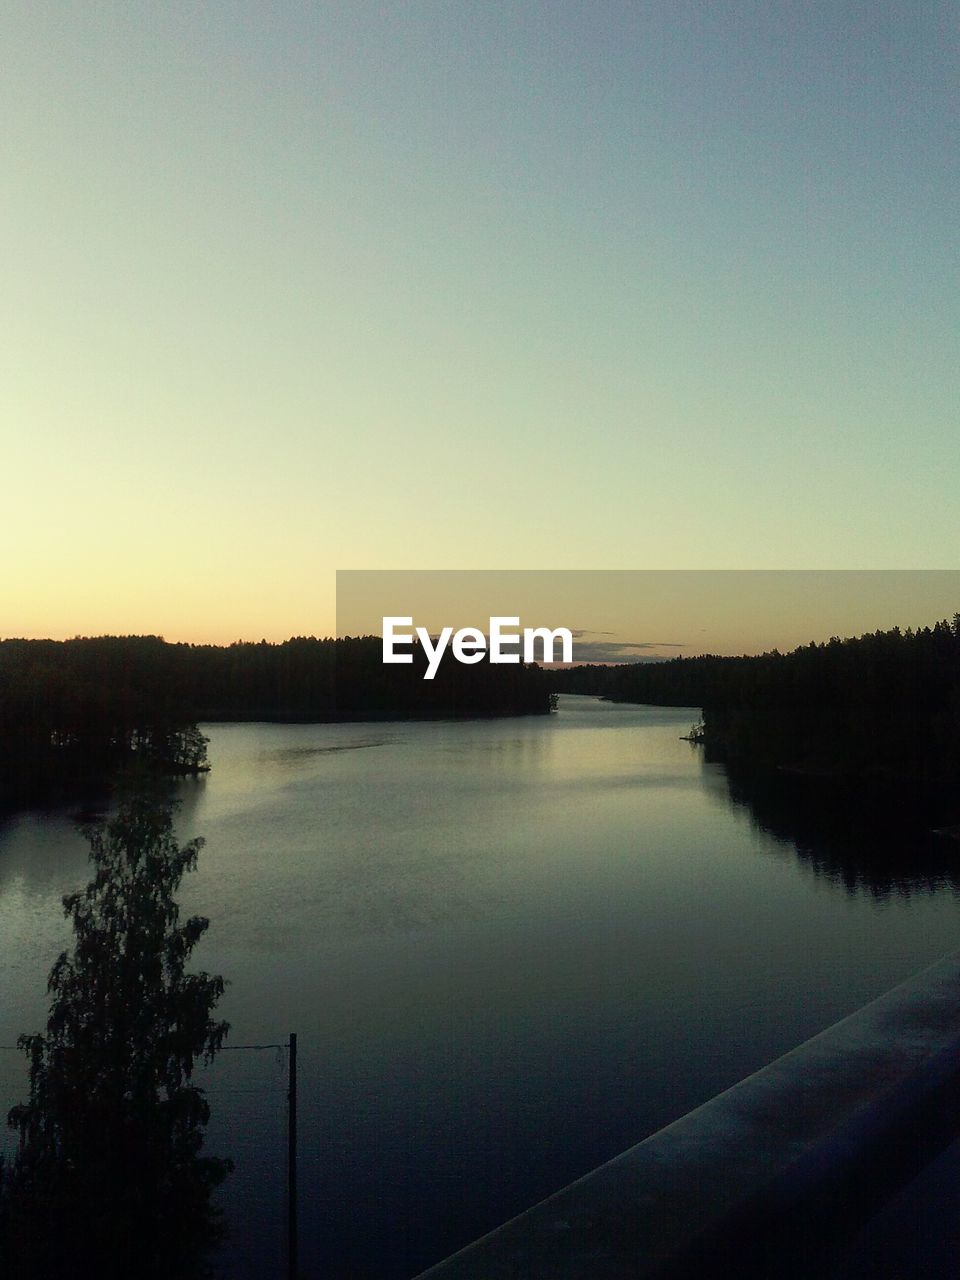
(110, 1180)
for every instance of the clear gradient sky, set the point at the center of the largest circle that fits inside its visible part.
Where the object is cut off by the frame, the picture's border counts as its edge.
(639, 615)
(303, 286)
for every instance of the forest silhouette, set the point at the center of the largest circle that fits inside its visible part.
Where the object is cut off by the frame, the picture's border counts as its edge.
(883, 707)
(73, 711)
(881, 710)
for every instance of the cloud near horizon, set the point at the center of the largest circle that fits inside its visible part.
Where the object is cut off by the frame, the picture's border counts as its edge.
(614, 651)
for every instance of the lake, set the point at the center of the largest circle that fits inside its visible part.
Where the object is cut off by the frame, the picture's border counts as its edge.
(509, 948)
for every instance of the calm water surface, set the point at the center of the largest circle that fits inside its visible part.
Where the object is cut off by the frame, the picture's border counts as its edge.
(510, 949)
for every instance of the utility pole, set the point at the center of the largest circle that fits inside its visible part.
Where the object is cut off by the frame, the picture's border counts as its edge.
(292, 1162)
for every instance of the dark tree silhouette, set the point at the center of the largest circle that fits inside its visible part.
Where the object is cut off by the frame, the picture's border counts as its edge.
(883, 706)
(72, 712)
(109, 1180)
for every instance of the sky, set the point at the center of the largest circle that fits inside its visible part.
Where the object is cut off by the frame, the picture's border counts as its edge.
(292, 288)
(650, 615)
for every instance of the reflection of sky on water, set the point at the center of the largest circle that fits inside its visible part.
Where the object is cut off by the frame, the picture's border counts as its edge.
(510, 949)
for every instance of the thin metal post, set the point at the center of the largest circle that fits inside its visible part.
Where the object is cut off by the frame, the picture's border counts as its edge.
(292, 1162)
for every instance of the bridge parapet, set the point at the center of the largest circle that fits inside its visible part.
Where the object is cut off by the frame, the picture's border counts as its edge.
(767, 1177)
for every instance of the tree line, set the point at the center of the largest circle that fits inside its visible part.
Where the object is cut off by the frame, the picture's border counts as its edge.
(882, 705)
(72, 711)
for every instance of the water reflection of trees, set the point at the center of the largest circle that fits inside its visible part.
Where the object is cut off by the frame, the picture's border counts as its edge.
(109, 1180)
(878, 839)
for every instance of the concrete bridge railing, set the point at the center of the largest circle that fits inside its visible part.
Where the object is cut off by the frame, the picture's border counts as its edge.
(766, 1177)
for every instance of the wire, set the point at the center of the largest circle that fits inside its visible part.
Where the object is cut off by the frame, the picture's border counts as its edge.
(226, 1047)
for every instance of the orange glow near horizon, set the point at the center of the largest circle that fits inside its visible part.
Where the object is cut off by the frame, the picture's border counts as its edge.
(672, 612)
